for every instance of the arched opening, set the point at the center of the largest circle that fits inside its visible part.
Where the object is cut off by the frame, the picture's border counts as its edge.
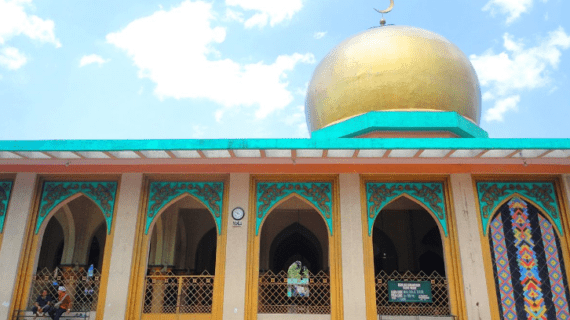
(528, 264)
(294, 232)
(182, 260)
(71, 253)
(408, 252)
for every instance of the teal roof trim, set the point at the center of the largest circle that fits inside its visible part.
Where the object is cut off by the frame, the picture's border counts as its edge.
(402, 121)
(237, 144)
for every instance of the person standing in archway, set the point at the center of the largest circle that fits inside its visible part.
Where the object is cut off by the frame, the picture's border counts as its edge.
(63, 304)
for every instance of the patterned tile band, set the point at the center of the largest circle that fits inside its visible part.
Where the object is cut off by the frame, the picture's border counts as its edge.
(55, 192)
(529, 273)
(5, 190)
(491, 194)
(502, 272)
(319, 194)
(210, 194)
(527, 260)
(555, 274)
(378, 195)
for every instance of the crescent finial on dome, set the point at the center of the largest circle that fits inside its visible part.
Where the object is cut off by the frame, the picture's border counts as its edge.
(387, 10)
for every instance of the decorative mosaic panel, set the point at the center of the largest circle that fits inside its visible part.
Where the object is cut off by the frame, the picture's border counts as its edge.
(208, 193)
(5, 190)
(430, 194)
(55, 192)
(319, 194)
(528, 269)
(491, 194)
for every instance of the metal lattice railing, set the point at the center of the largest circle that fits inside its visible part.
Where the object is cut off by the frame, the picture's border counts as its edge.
(169, 293)
(83, 290)
(439, 290)
(273, 294)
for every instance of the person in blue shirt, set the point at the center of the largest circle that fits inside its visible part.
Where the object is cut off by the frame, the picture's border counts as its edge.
(43, 304)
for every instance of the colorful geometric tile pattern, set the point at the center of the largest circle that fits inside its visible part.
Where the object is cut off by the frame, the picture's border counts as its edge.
(491, 194)
(529, 277)
(554, 271)
(502, 271)
(529, 274)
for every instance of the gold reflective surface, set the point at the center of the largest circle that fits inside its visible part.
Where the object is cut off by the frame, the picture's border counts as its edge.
(392, 68)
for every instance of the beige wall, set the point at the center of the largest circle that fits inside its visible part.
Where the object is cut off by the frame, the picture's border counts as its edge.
(123, 242)
(15, 226)
(352, 250)
(236, 250)
(470, 251)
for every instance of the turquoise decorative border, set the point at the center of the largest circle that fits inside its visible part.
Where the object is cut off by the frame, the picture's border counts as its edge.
(208, 193)
(491, 194)
(317, 193)
(430, 194)
(5, 191)
(102, 193)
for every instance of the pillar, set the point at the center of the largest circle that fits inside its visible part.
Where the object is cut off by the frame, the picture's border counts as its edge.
(123, 243)
(236, 249)
(470, 250)
(17, 217)
(352, 250)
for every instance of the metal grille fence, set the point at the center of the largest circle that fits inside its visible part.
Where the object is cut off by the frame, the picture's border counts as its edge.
(440, 296)
(273, 294)
(169, 293)
(83, 290)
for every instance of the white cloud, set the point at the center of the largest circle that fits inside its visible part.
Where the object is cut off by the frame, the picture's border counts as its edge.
(90, 59)
(518, 69)
(267, 11)
(512, 8)
(11, 58)
(16, 21)
(199, 131)
(501, 107)
(319, 35)
(232, 15)
(175, 50)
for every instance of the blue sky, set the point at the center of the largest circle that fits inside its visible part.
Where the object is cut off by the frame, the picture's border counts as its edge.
(239, 68)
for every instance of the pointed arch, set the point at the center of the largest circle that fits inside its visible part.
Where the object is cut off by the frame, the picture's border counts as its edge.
(164, 193)
(493, 194)
(311, 239)
(55, 194)
(537, 282)
(5, 190)
(429, 195)
(270, 194)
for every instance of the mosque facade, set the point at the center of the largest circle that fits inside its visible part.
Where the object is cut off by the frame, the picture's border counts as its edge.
(399, 206)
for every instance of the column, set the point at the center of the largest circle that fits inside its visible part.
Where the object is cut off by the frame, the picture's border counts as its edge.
(236, 249)
(14, 229)
(123, 242)
(470, 251)
(352, 250)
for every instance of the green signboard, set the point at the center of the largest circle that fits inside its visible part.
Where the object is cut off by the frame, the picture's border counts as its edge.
(409, 291)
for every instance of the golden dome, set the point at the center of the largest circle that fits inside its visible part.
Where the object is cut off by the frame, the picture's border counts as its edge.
(392, 68)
